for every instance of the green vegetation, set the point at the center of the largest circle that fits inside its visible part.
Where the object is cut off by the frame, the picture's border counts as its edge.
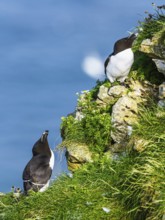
(130, 187)
(153, 25)
(145, 69)
(94, 128)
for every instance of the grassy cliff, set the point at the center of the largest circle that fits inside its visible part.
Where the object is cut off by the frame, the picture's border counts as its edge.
(130, 187)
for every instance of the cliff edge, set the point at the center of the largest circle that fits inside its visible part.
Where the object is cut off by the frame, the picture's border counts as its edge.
(115, 146)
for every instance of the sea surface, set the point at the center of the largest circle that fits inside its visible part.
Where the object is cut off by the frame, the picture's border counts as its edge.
(42, 47)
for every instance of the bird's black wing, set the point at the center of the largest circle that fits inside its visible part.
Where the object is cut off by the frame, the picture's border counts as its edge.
(37, 171)
(107, 61)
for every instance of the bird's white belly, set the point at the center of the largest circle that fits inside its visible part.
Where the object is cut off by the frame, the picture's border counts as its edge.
(44, 187)
(120, 64)
(51, 162)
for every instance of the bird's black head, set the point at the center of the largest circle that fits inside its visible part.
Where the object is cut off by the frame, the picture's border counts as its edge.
(44, 136)
(124, 43)
(42, 146)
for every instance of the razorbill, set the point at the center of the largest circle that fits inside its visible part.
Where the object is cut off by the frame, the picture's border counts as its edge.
(118, 64)
(37, 173)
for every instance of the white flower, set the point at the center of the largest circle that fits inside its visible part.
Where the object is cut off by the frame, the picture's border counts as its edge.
(129, 130)
(84, 91)
(70, 175)
(140, 29)
(106, 209)
(88, 203)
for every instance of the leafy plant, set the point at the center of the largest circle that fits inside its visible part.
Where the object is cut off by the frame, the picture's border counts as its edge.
(145, 69)
(152, 24)
(94, 127)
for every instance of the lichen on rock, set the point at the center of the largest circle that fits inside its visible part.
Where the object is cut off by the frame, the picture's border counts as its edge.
(161, 95)
(160, 64)
(123, 114)
(77, 154)
(155, 48)
(117, 91)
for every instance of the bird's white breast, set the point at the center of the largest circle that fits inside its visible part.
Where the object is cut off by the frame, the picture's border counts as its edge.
(44, 187)
(120, 63)
(51, 162)
(125, 55)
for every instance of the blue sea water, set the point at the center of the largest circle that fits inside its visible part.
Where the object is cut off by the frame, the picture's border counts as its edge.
(42, 45)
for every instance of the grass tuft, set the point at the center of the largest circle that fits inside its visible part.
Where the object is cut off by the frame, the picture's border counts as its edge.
(131, 187)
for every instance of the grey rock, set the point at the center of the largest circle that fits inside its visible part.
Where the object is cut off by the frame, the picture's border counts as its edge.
(153, 48)
(162, 91)
(77, 154)
(78, 114)
(160, 64)
(161, 103)
(117, 91)
(147, 46)
(140, 144)
(140, 91)
(123, 116)
(103, 94)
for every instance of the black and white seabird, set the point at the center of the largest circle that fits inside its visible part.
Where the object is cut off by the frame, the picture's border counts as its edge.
(37, 173)
(118, 64)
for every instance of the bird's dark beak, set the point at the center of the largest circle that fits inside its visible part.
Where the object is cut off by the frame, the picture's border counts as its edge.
(44, 136)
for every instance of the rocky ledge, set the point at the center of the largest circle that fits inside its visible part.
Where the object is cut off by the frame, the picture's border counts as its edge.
(124, 103)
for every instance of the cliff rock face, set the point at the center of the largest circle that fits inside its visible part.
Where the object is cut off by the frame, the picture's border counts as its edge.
(76, 155)
(155, 48)
(125, 108)
(123, 103)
